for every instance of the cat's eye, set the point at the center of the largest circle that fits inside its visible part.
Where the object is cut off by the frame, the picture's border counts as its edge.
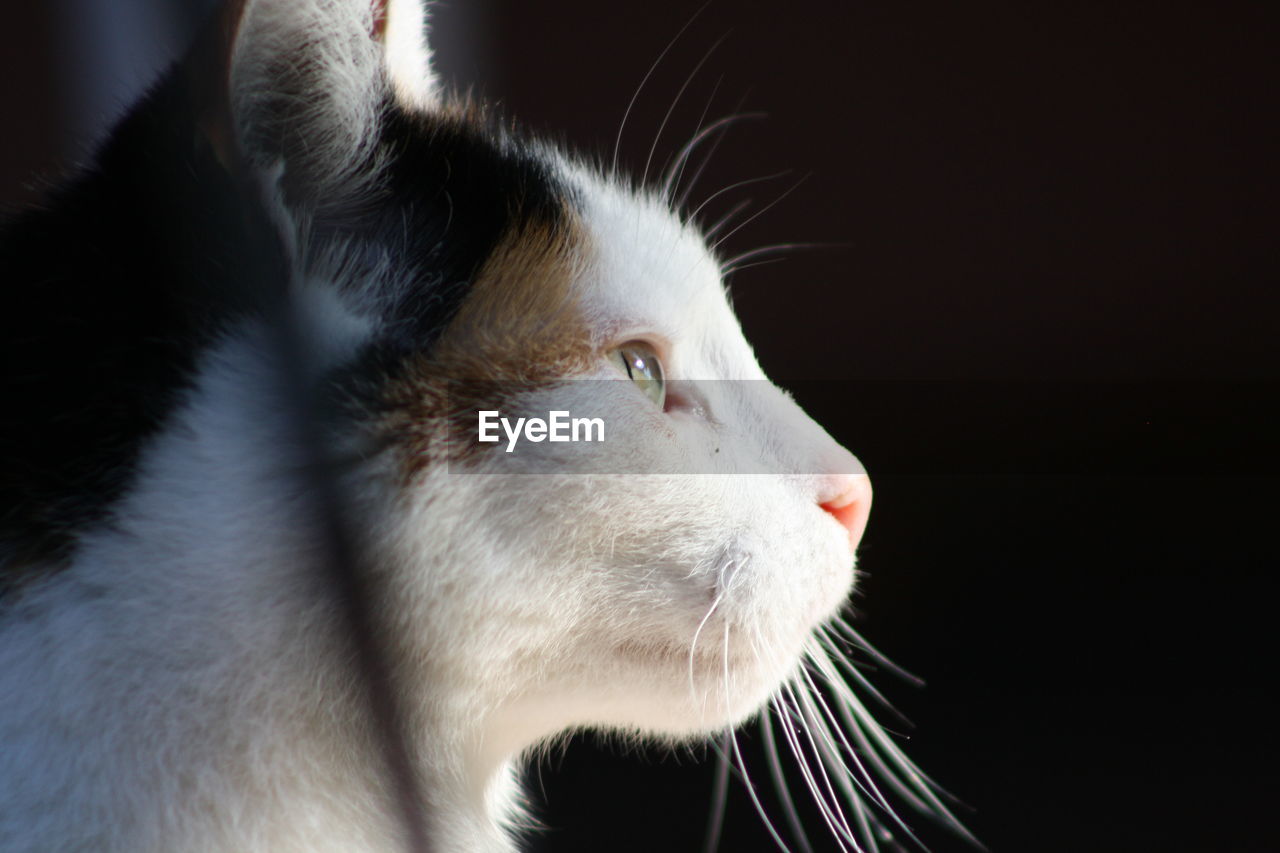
(643, 367)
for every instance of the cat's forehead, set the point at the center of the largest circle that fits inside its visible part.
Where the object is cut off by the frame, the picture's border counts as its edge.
(645, 265)
(649, 274)
(514, 240)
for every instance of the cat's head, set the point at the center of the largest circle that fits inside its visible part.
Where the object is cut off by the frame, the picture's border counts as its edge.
(666, 579)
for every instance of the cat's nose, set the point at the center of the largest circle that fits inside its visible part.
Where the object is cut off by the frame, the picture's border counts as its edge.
(848, 498)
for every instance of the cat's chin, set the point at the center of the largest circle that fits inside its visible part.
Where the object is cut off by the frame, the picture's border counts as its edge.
(739, 654)
(714, 709)
(678, 692)
(652, 688)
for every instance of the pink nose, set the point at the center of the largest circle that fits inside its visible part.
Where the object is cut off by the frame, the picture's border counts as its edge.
(848, 498)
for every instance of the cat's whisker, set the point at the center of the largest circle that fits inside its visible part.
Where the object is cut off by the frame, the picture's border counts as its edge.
(707, 157)
(719, 794)
(674, 171)
(787, 719)
(889, 762)
(755, 797)
(746, 778)
(834, 654)
(728, 217)
(626, 114)
(693, 215)
(644, 175)
(779, 777)
(675, 174)
(693, 646)
(775, 248)
(737, 263)
(855, 784)
(859, 642)
(855, 725)
(760, 647)
(728, 682)
(802, 698)
(761, 212)
(676, 168)
(786, 722)
(766, 262)
(893, 766)
(822, 720)
(847, 785)
(832, 678)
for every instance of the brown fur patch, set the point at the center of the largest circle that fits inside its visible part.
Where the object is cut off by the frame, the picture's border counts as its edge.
(520, 322)
(519, 329)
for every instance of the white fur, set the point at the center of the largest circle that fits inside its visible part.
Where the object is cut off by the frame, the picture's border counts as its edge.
(310, 70)
(200, 700)
(200, 705)
(408, 63)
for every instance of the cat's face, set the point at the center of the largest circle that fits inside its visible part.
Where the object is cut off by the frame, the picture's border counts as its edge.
(674, 571)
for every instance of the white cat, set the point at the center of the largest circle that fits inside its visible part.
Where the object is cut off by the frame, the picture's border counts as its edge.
(300, 249)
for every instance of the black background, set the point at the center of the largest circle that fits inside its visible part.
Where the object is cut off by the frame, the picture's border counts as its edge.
(1043, 316)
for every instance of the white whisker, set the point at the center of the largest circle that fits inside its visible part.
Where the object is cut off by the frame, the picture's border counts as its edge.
(742, 766)
(834, 653)
(719, 795)
(676, 169)
(857, 640)
(895, 768)
(738, 185)
(780, 779)
(753, 217)
(706, 159)
(755, 798)
(862, 778)
(626, 114)
(823, 720)
(644, 176)
(788, 718)
(725, 273)
(736, 263)
(829, 802)
(676, 172)
(848, 783)
(724, 220)
(715, 602)
(856, 722)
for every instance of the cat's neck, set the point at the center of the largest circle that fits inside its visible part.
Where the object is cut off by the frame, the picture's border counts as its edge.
(267, 739)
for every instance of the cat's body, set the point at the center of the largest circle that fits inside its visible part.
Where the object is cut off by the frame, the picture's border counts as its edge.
(176, 670)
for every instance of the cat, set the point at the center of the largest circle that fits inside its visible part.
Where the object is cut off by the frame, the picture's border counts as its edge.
(262, 587)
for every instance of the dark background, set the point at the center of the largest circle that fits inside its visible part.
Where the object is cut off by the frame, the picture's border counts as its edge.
(1043, 315)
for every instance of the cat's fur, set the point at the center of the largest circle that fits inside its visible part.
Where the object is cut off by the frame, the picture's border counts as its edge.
(175, 674)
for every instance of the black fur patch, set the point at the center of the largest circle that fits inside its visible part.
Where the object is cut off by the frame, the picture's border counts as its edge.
(110, 291)
(455, 184)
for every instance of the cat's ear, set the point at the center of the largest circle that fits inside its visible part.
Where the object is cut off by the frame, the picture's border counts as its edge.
(401, 25)
(305, 82)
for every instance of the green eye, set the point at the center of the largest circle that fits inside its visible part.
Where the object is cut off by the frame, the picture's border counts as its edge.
(642, 367)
